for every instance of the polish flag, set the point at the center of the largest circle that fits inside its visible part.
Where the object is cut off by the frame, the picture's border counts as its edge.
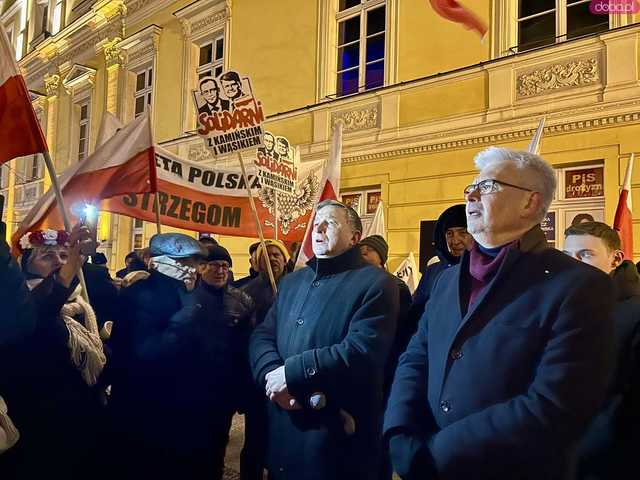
(453, 11)
(123, 164)
(331, 191)
(20, 132)
(623, 221)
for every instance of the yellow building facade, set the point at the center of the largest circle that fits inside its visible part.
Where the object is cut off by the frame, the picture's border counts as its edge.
(419, 96)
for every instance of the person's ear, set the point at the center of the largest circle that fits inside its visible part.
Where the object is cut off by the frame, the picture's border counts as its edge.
(618, 258)
(355, 238)
(532, 206)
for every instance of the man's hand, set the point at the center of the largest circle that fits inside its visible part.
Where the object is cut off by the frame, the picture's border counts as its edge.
(277, 392)
(80, 235)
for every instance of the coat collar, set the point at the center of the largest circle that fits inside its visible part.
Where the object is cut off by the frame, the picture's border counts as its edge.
(349, 260)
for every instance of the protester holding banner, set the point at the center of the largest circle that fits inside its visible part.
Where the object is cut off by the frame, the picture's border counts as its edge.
(50, 386)
(320, 355)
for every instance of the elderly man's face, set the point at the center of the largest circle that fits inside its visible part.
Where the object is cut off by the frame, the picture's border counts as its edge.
(209, 91)
(46, 260)
(276, 259)
(332, 234)
(231, 88)
(507, 210)
(215, 273)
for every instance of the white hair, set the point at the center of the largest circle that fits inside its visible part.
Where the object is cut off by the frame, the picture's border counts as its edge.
(539, 174)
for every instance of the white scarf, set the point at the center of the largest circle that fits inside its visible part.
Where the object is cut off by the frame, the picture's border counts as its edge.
(172, 268)
(85, 345)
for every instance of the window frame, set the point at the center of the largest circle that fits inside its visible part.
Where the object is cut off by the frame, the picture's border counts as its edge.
(146, 91)
(82, 155)
(361, 11)
(215, 63)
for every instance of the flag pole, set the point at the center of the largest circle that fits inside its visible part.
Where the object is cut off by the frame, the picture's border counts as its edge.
(67, 225)
(156, 205)
(275, 215)
(258, 225)
(534, 146)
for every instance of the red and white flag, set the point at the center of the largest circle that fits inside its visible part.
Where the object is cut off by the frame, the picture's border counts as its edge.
(623, 221)
(123, 164)
(453, 11)
(20, 132)
(330, 191)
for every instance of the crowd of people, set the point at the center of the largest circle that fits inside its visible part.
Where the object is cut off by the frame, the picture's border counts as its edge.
(512, 360)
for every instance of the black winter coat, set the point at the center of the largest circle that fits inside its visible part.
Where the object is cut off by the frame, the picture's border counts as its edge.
(611, 444)
(332, 327)
(174, 364)
(503, 391)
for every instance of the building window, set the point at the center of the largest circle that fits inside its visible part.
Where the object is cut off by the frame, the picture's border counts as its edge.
(144, 91)
(83, 132)
(210, 58)
(56, 20)
(361, 45)
(137, 234)
(34, 171)
(545, 22)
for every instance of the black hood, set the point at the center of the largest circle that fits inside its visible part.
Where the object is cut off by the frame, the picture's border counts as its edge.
(455, 216)
(626, 281)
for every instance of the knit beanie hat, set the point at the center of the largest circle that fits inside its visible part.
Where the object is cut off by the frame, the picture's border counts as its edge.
(276, 243)
(379, 244)
(217, 252)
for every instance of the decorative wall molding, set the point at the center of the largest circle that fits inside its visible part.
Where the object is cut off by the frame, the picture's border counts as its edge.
(113, 54)
(492, 139)
(204, 23)
(202, 19)
(360, 118)
(142, 46)
(550, 78)
(80, 77)
(198, 152)
(51, 84)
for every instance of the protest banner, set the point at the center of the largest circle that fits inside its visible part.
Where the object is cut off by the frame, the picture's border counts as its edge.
(229, 116)
(277, 164)
(209, 199)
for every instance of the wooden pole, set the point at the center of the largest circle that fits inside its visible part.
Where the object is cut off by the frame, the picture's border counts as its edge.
(67, 226)
(258, 224)
(156, 204)
(275, 215)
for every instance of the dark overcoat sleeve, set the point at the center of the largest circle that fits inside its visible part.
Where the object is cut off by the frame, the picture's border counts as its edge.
(263, 348)
(366, 345)
(568, 389)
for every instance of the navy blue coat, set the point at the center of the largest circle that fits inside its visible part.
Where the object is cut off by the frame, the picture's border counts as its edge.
(503, 391)
(332, 327)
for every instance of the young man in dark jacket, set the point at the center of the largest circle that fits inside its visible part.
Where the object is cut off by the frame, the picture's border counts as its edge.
(610, 446)
(512, 357)
(320, 355)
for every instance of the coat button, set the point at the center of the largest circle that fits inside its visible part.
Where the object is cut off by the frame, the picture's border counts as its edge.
(311, 372)
(445, 406)
(456, 354)
(300, 321)
(316, 283)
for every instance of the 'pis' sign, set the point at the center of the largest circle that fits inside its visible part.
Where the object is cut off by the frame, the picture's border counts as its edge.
(584, 183)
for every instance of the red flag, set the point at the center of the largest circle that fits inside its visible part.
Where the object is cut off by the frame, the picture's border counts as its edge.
(123, 164)
(623, 222)
(453, 11)
(20, 132)
(331, 191)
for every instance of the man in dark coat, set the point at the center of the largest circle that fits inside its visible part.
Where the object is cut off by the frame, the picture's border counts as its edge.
(321, 353)
(451, 240)
(166, 402)
(610, 446)
(255, 419)
(513, 353)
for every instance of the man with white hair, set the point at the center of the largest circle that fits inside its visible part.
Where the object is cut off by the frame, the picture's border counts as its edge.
(501, 385)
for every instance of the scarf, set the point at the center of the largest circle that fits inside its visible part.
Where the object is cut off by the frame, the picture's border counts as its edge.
(173, 269)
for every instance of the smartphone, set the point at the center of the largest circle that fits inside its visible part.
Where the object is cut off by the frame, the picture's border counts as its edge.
(89, 219)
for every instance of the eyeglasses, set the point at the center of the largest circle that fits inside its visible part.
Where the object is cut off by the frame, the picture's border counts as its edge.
(490, 185)
(218, 266)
